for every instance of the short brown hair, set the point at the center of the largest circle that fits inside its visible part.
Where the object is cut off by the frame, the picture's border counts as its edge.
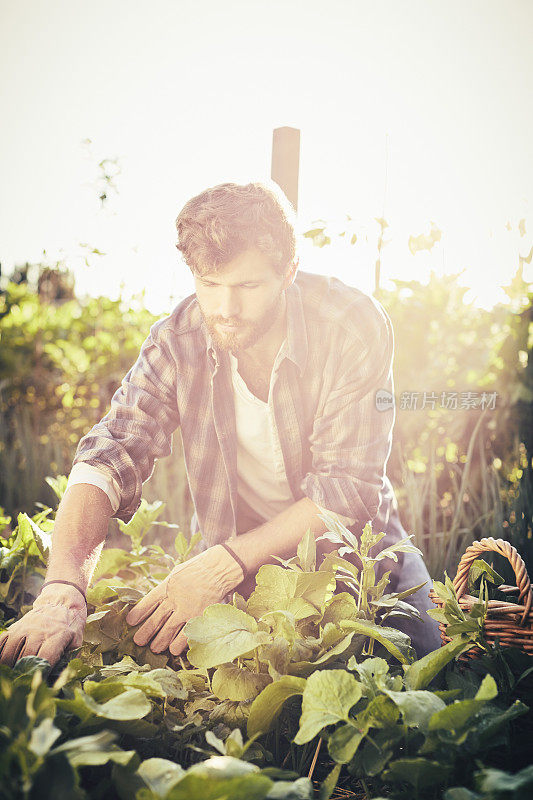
(222, 222)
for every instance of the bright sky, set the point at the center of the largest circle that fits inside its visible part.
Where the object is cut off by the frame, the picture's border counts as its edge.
(186, 94)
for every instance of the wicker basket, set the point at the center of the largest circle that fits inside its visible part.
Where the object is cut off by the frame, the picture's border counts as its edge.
(511, 623)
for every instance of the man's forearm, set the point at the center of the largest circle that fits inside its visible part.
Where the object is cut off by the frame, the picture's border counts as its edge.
(280, 536)
(79, 533)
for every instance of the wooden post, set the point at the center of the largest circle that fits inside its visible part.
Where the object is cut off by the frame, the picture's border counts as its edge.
(286, 161)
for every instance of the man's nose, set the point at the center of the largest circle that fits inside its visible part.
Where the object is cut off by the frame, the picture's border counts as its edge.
(229, 304)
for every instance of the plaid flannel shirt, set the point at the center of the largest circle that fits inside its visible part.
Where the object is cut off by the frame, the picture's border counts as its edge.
(335, 442)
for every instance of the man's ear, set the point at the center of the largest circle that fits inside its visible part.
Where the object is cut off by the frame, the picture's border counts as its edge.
(291, 274)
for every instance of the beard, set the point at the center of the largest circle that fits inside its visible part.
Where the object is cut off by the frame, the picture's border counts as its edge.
(248, 333)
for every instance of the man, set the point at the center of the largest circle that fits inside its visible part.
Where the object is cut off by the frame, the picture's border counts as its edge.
(272, 379)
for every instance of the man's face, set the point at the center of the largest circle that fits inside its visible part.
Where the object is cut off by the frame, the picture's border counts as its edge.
(242, 301)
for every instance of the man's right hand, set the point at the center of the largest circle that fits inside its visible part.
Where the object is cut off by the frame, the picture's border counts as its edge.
(55, 623)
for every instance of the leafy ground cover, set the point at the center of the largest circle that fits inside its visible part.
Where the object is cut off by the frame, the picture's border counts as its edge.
(305, 689)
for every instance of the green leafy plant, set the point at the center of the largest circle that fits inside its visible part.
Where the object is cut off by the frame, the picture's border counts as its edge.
(459, 622)
(308, 659)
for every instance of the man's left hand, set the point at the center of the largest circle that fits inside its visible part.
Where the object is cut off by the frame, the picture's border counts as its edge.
(185, 593)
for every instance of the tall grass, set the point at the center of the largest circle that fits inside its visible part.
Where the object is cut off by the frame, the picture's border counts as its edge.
(25, 461)
(444, 526)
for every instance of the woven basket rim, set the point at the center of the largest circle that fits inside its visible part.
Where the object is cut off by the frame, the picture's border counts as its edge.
(494, 606)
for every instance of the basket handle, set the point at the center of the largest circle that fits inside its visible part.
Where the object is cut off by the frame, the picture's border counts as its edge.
(505, 549)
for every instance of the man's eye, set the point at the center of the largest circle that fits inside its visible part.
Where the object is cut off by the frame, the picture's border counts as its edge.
(250, 285)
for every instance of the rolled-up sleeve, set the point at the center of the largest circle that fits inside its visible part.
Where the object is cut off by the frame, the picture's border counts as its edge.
(139, 425)
(352, 435)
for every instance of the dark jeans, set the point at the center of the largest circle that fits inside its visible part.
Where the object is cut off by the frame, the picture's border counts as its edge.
(409, 571)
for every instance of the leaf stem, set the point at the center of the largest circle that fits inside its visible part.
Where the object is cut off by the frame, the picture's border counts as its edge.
(313, 763)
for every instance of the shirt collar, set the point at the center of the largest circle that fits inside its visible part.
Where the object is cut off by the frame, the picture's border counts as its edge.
(296, 346)
(296, 331)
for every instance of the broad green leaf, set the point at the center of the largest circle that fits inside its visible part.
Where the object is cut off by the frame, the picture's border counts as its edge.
(181, 544)
(146, 682)
(223, 767)
(305, 668)
(234, 744)
(343, 742)
(416, 707)
(456, 716)
(141, 522)
(231, 713)
(25, 537)
(306, 551)
(109, 631)
(396, 642)
(419, 772)
(221, 634)
(336, 649)
(421, 673)
(479, 568)
(405, 593)
(42, 539)
(55, 779)
(267, 706)
(43, 737)
(327, 699)
(57, 484)
(171, 685)
(76, 670)
(445, 591)
(330, 636)
(470, 627)
(160, 775)
(130, 705)
(460, 793)
(221, 778)
(340, 567)
(340, 532)
(199, 787)
(29, 665)
(491, 781)
(373, 756)
(193, 680)
(378, 590)
(277, 655)
(94, 750)
(123, 667)
(341, 606)
(111, 562)
(381, 712)
(403, 611)
(490, 726)
(373, 673)
(369, 539)
(215, 742)
(230, 682)
(488, 689)
(282, 624)
(403, 546)
(327, 787)
(301, 593)
(438, 614)
(300, 789)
